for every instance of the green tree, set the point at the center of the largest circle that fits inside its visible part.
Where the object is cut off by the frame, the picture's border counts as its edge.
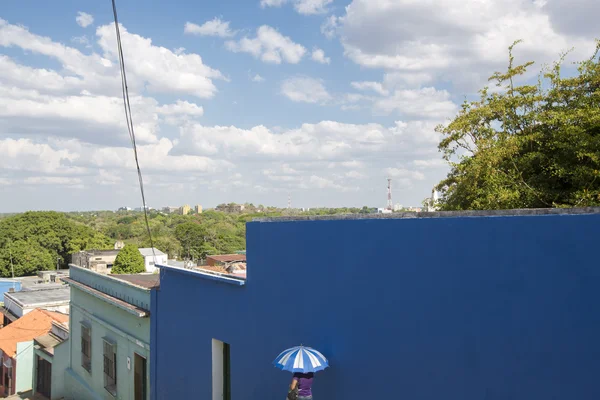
(527, 146)
(129, 261)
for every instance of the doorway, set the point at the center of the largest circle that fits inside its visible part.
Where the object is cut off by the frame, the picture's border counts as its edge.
(44, 377)
(139, 372)
(221, 362)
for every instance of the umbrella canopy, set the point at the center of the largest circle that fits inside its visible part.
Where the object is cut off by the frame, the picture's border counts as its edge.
(301, 359)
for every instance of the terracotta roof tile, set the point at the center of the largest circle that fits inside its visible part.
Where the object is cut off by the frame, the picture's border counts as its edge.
(228, 257)
(33, 324)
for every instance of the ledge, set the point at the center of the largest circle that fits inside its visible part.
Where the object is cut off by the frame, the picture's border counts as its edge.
(437, 214)
(205, 275)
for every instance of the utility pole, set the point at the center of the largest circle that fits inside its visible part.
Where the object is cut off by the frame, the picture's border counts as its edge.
(390, 205)
(12, 267)
(57, 259)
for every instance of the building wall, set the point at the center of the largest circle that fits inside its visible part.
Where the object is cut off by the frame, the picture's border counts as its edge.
(60, 363)
(24, 366)
(6, 285)
(130, 333)
(151, 264)
(465, 308)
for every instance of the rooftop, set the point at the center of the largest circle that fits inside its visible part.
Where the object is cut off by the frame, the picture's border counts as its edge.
(439, 214)
(227, 257)
(147, 281)
(41, 296)
(147, 252)
(36, 323)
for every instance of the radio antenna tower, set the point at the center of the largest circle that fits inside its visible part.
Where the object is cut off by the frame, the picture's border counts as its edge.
(390, 205)
(289, 201)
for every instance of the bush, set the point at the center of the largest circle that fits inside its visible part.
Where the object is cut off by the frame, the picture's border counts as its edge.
(129, 261)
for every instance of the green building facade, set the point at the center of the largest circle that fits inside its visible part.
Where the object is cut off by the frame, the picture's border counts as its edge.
(109, 342)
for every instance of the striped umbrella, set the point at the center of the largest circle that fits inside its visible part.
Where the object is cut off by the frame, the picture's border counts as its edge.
(301, 359)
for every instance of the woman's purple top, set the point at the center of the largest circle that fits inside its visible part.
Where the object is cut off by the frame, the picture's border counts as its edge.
(305, 382)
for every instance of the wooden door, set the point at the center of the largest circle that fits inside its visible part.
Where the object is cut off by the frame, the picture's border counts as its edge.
(44, 377)
(140, 383)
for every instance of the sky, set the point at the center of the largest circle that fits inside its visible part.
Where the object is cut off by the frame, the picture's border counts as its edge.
(252, 100)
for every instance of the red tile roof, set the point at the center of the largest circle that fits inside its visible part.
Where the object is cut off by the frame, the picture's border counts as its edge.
(227, 257)
(33, 324)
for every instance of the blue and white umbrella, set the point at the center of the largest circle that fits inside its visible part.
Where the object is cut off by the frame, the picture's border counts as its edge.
(301, 359)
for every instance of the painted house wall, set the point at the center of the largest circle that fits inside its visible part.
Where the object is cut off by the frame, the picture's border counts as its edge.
(60, 363)
(24, 366)
(461, 308)
(151, 265)
(6, 285)
(130, 333)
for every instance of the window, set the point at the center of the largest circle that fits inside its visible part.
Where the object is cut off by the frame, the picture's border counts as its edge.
(110, 367)
(86, 348)
(151, 263)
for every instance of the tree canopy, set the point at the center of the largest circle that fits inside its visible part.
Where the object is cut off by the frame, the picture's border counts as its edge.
(129, 261)
(36, 241)
(526, 146)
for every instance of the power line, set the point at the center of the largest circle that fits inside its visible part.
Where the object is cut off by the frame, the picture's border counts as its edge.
(128, 117)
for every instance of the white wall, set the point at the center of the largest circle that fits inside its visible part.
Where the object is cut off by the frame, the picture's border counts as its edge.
(217, 369)
(149, 260)
(24, 366)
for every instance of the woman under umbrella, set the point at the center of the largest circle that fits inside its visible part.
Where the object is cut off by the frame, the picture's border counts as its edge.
(303, 362)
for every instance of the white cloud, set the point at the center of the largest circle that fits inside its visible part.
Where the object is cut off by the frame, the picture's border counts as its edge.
(311, 7)
(421, 103)
(448, 40)
(305, 90)
(52, 180)
(375, 86)
(214, 27)
(405, 173)
(272, 3)
(330, 26)
(82, 40)
(318, 55)
(181, 108)
(304, 7)
(84, 19)
(355, 175)
(149, 67)
(257, 78)
(270, 46)
(430, 163)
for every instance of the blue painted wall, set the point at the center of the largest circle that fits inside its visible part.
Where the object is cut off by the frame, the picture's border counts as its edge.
(463, 308)
(6, 285)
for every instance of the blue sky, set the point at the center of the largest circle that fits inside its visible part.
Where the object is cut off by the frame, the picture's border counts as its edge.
(251, 100)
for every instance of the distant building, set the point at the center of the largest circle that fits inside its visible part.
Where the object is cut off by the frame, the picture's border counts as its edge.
(119, 244)
(97, 260)
(109, 336)
(397, 207)
(51, 359)
(124, 209)
(198, 209)
(185, 209)
(170, 210)
(16, 345)
(231, 207)
(51, 297)
(383, 211)
(149, 258)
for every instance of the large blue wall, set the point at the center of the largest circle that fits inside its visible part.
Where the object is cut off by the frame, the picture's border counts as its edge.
(461, 308)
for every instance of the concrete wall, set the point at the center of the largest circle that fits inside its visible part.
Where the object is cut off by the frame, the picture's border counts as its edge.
(24, 369)
(60, 363)
(130, 333)
(151, 264)
(6, 285)
(459, 308)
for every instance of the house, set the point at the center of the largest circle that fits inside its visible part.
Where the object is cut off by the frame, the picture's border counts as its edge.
(16, 349)
(225, 259)
(50, 360)
(9, 285)
(51, 296)
(503, 305)
(97, 260)
(153, 257)
(109, 335)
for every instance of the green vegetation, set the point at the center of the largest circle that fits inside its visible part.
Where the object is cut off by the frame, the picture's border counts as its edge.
(529, 146)
(129, 261)
(36, 241)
